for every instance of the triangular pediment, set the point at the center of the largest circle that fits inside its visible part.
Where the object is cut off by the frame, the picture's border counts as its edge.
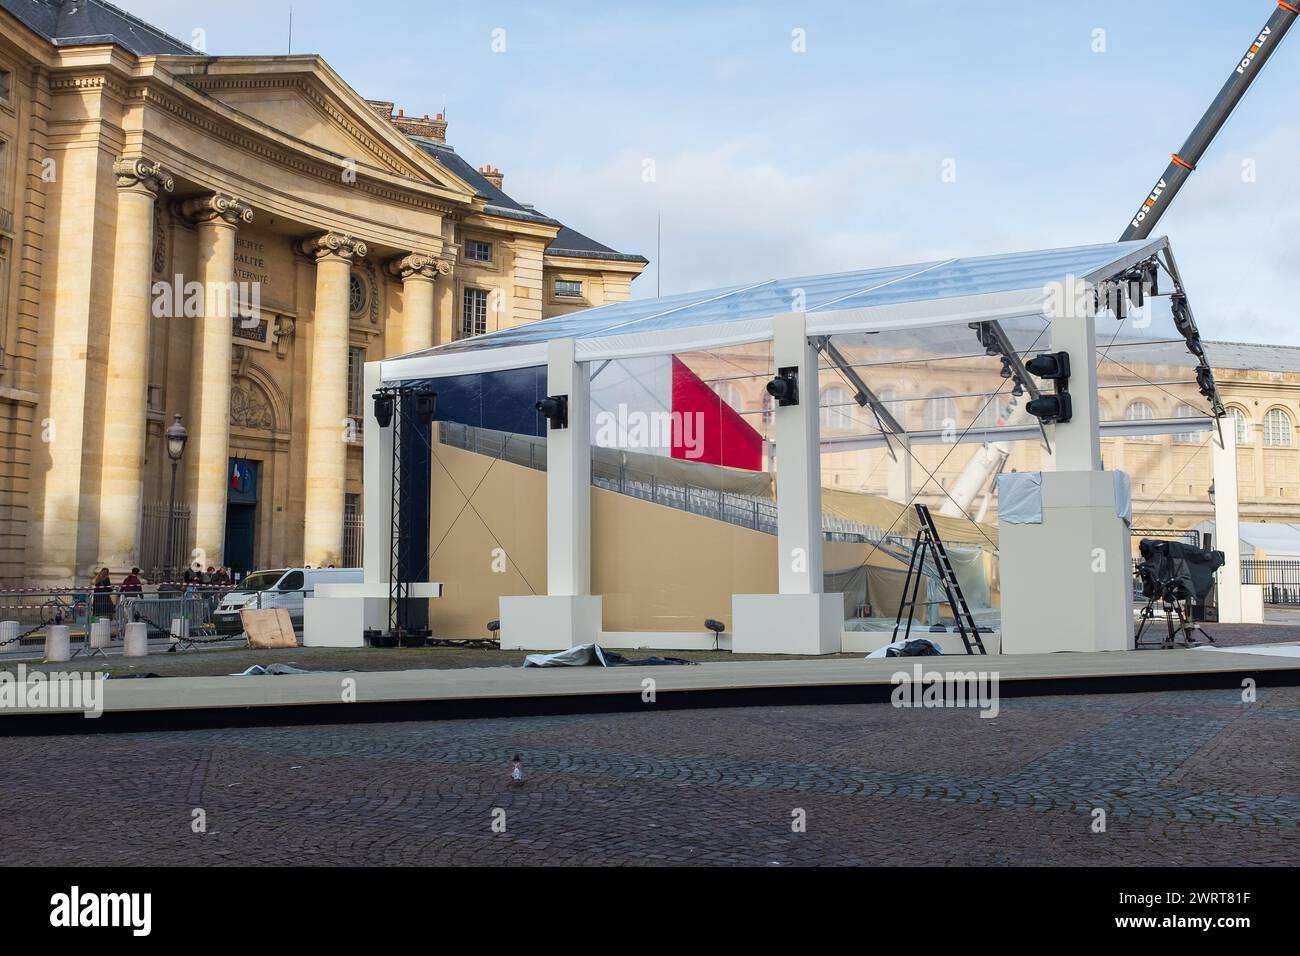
(308, 103)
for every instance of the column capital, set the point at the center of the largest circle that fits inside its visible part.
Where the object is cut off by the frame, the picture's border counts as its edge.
(333, 245)
(136, 171)
(217, 206)
(419, 266)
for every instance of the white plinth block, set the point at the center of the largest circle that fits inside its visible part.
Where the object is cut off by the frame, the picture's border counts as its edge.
(787, 623)
(1252, 604)
(58, 643)
(101, 633)
(136, 641)
(1067, 581)
(342, 621)
(546, 622)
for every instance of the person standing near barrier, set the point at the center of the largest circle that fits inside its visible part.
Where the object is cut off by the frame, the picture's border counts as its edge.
(132, 584)
(102, 605)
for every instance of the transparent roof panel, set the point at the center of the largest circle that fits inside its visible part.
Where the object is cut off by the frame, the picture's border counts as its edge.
(824, 294)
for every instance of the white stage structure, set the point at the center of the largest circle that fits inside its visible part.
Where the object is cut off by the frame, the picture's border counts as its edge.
(1051, 290)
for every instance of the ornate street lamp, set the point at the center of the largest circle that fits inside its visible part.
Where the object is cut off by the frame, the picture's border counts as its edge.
(176, 436)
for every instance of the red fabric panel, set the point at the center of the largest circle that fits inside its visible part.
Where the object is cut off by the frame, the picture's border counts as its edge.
(725, 438)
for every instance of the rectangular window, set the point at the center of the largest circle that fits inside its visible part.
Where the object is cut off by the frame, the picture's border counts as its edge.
(4, 84)
(478, 251)
(568, 287)
(474, 317)
(356, 381)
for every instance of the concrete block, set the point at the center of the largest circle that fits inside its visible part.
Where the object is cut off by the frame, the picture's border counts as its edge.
(136, 641)
(787, 623)
(58, 643)
(545, 622)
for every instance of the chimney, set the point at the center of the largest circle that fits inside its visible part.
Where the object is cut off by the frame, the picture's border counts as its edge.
(434, 129)
(494, 176)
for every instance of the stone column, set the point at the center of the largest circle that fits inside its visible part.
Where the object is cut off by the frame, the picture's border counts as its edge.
(207, 455)
(126, 396)
(417, 273)
(327, 397)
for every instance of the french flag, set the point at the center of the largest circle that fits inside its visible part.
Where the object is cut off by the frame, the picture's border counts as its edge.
(657, 405)
(238, 476)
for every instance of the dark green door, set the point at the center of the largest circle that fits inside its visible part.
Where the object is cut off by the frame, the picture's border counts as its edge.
(241, 515)
(240, 520)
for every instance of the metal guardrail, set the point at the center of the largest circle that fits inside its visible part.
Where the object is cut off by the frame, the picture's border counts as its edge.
(31, 611)
(746, 511)
(1280, 578)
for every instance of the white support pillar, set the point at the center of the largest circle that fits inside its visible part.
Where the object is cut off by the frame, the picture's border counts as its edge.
(1238, 604)
(800, 619)
(568, 614)
(1066, 579)
(568, 477)
(1076, 445)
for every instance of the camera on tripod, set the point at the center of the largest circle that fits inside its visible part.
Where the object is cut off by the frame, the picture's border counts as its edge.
(1180, 577)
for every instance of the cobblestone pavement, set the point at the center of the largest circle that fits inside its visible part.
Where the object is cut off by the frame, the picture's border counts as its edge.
(1188, 777)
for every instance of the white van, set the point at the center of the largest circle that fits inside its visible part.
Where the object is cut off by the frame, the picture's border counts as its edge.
(284, 588)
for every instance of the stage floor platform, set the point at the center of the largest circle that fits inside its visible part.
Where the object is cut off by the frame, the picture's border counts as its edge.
(340, 696)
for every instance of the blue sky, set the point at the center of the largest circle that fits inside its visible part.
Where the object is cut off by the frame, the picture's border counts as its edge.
(768, 161)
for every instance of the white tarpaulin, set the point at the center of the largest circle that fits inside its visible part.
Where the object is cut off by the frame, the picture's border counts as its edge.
(1020, 497)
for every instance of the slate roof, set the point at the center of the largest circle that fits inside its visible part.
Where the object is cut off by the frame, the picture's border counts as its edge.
(85, 22)
(568, 242)
(1250, 356)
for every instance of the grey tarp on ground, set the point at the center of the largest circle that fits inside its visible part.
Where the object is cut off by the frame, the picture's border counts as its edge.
(593, 655)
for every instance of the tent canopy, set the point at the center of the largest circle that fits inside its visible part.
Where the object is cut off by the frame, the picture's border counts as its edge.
(943, 292)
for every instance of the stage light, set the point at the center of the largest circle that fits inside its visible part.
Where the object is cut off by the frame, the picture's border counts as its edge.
(717, 627)
(555, 408)
(1052, 409)
(785, 387)
(1053, 367)
(1205, 381)
(384, 404)
(426, 403)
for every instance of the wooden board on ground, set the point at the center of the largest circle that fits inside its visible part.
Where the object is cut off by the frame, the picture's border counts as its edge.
(268, 627)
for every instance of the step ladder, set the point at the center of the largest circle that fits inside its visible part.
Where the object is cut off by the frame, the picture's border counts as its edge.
(929, 544)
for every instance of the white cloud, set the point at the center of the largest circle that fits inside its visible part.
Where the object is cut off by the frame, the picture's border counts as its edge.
(731, 215)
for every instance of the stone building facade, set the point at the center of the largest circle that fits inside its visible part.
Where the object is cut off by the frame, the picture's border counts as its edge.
(228, 239)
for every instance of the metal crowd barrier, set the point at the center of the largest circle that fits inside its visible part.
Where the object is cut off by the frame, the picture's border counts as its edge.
(184, 613)
(27, 613)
